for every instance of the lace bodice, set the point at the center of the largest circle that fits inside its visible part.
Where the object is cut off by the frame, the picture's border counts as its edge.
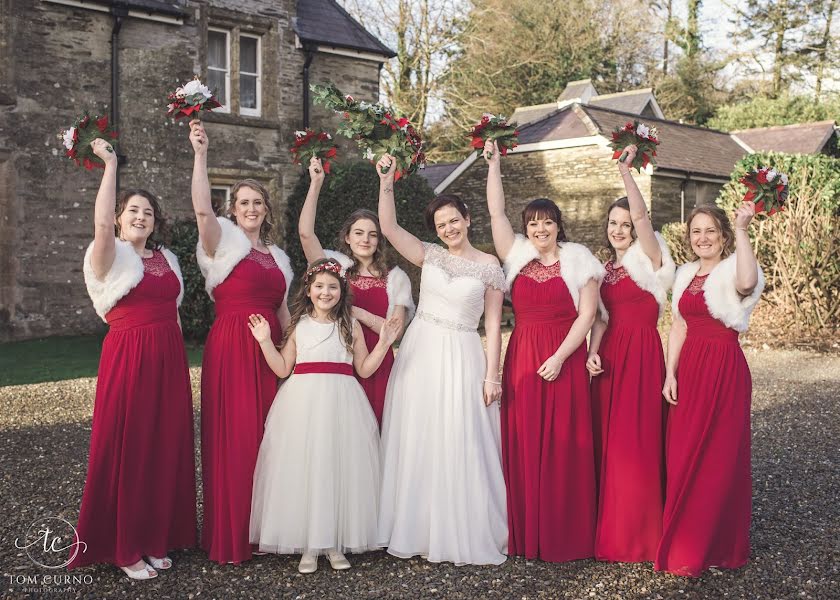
(263, 259)
(614, 274)
(696, 285)
(539, 272)
(156, 264)
(319, 342)
(452, 288)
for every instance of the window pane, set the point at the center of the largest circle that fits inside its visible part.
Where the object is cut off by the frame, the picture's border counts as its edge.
(248, 54)
(217, 49)
(216, 83)
(248, 91)
(218, 197)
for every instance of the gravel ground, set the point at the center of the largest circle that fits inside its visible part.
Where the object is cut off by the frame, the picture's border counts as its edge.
(45, 429)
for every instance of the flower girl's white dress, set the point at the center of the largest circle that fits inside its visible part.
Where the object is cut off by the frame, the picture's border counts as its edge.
(316, 484)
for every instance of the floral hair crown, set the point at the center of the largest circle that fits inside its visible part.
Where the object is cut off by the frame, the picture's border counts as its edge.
(330, 265)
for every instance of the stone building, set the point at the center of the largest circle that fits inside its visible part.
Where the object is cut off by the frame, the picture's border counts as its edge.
(564, 155)
(121, 58)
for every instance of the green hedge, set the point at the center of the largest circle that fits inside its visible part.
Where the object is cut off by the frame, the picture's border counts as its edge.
(197, 308)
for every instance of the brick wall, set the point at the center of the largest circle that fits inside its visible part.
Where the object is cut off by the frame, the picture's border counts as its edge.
(55, 62)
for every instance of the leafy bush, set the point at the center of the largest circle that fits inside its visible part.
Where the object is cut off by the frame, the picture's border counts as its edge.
(351, 186)
(765, 112)
(197, 309)
(799, 249)
(674, 234)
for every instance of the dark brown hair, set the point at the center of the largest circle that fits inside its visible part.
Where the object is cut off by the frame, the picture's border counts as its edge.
(443, 201)
(721, 220)
(543, 208)
(155, 240)
(379, 266)
(267, 226)
(340, 313)
(624, 203)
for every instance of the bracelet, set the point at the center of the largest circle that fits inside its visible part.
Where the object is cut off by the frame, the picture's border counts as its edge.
(494, 382)
(623, 173)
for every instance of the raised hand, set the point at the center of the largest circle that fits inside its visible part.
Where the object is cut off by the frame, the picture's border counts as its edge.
(744, 214)
(550, 369)
(491, 152)
(390, 330)
(669, 390)
(631, 150)
(386, 162)
(593, 365)
(316, 170)
(260, 328)
(104, 150)
(198, 137)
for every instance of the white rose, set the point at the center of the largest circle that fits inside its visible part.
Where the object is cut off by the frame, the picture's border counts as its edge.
(784, 179)
(300, 134)
(771, 174)
(642, 130)
(68, 138)
(194, 87)
(369, 154)
(329, 137)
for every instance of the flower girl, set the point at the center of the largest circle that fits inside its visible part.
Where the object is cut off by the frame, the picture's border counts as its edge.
(316, 485)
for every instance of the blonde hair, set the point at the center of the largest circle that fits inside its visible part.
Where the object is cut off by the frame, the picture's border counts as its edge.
(267, 227)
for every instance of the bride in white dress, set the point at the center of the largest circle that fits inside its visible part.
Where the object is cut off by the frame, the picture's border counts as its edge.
(443, 491)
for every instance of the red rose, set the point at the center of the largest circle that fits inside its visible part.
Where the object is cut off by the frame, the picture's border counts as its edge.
(330, 153)
(102, 124)
(402, 122)
(761, 176)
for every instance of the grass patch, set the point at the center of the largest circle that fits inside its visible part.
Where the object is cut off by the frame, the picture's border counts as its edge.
(59, 358)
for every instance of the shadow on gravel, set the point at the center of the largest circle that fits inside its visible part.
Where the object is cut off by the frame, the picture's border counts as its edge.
(795, 529)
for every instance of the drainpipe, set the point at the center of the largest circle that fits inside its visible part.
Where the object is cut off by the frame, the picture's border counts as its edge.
(119, 13)
(310, 54)
(683, 185)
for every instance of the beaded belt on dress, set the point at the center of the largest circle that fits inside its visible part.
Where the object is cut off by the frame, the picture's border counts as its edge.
(443, 322)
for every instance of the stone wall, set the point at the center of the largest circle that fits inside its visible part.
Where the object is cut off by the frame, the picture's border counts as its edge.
(666, 195)
(55, 61)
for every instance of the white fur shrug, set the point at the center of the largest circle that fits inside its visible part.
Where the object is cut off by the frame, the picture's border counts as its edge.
(722, 298)
(398, 285)
(577, 264)
(123, 276)
(233, 246)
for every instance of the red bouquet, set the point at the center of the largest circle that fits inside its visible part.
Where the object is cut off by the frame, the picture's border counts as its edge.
(190, 99)
(496, 128)
(376, 129)
(645, 138)
(77, 140)
(309, 144)
(767, 188)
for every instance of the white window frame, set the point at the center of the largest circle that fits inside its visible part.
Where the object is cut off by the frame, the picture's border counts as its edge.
(251, 112)
(225, 108)
(225, 188)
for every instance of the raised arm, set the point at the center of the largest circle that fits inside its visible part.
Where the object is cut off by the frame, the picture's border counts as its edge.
(676, 339)
(104, 250)
(366, 362)
(281, 362)
(405, 243)
(493, 299)
(639, 212)
(312, 248)
(209, 230)
(587, 307)
(746, 266)
(503, 235)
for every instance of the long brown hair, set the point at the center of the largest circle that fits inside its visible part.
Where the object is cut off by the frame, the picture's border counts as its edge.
(155, 240)
(301, 304)
(624, 203)
(267, 227)
(718, 215)
(378, 266)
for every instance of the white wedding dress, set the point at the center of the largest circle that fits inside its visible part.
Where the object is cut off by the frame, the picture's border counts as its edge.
(443, 492)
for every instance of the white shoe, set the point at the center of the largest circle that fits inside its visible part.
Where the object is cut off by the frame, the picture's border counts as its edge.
(337, 560)
(160, 564)
(308, 563)
(144, 572)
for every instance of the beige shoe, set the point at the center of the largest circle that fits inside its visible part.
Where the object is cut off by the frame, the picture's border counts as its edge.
(161, 564)
(308, 563)
(337, 560)
(144, 572)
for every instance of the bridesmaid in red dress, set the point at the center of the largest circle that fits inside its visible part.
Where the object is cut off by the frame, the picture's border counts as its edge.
(708, 498)
(628, 369)
(547, 446)
(139, 497)
(378, 292)
(244, 274)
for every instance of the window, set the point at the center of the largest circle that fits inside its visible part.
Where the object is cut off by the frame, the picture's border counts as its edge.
(249, 75)
(218, 66)
(219, 196)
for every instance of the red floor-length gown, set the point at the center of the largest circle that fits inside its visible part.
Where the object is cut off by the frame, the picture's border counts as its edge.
(546, 426)
(708, 498)
(139, 496)
(370, 293)
(237, 388)
(629, 423)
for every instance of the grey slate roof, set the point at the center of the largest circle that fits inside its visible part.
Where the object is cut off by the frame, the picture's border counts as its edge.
(803, 138)
(574, 89)
(325, 22)
(529, 114)
(435, 174)
(633, 101)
